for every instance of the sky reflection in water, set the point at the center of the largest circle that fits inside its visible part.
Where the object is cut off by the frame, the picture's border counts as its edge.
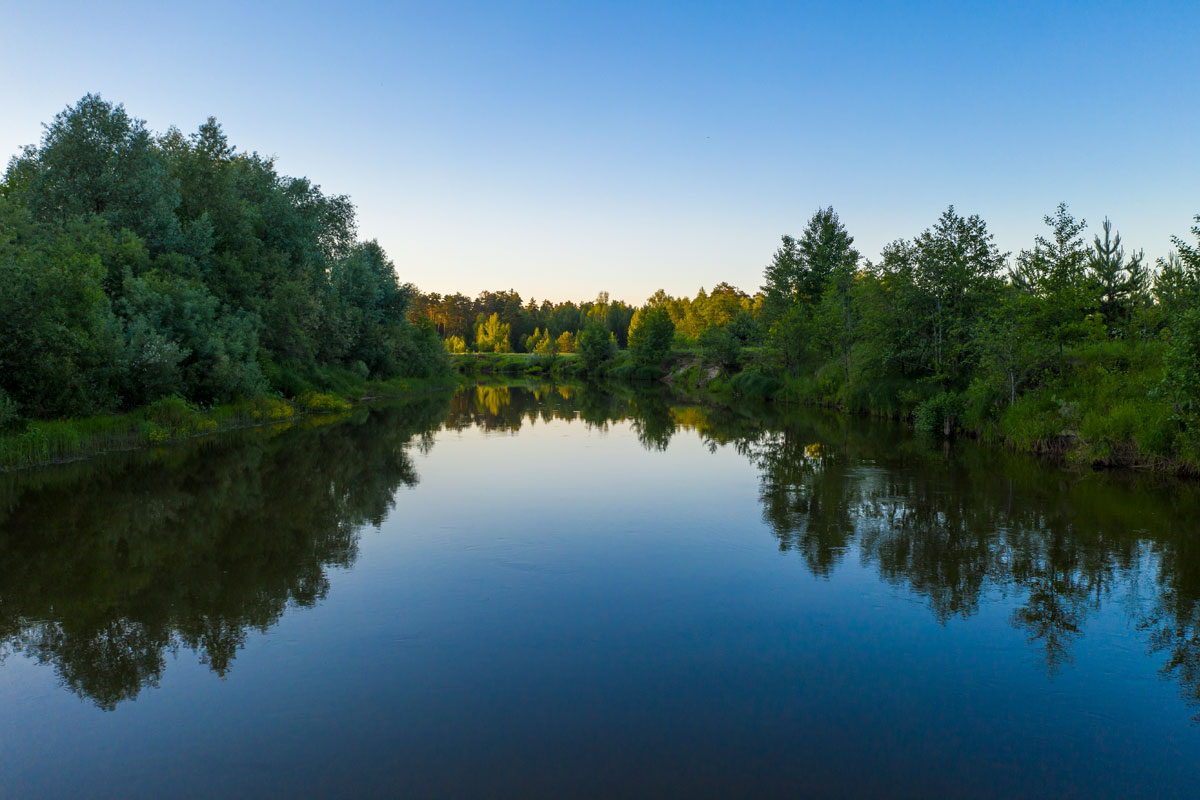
(543, 590)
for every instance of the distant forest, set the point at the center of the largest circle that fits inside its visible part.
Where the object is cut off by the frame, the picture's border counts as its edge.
(135, 266)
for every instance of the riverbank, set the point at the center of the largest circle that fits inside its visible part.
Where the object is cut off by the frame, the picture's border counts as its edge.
(1096, 410)
(1092, 416)
(172, 419)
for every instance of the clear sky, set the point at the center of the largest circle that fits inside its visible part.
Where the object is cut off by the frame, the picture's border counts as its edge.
(565, 148)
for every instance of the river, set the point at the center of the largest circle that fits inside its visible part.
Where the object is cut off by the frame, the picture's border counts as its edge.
(550, 591)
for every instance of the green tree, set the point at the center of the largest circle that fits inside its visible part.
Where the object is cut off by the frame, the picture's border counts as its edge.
(565, 343)
(61, 346)
(1181, 383)
(956, 273)
(1055, 270)
(650, 335)
(594, 345)
(825, 249)
(96, 159)
(1117, 281)
(721, 347)
(491, 335)
(782, 278)
(176, 326)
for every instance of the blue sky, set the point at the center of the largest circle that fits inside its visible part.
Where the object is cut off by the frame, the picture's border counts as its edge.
(566, 148)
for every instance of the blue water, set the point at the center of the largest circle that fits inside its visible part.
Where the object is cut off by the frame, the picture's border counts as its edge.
(585, 593)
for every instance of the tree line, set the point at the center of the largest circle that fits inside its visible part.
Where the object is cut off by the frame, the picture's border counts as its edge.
(1071, 342)
(136, 265)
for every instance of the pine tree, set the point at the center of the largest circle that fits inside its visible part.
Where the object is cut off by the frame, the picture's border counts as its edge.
(1116, 282)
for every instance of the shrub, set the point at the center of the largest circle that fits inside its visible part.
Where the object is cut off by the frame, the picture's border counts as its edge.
(315, 403)
(934, 414)
(755, 383)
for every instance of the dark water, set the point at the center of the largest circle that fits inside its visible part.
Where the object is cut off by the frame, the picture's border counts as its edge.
(551, 592)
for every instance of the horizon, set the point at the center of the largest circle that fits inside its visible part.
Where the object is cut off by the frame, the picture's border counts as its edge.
(562, 153)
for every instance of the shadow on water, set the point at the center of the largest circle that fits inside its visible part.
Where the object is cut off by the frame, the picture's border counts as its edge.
(105, 567)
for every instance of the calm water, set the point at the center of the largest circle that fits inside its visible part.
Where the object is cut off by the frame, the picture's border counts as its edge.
(552, 592)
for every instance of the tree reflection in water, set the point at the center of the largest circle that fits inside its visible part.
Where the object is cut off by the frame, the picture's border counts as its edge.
(106, 567)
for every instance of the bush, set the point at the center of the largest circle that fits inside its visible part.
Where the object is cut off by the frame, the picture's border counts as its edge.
(315, 403)
(754, 383)
(939, 414)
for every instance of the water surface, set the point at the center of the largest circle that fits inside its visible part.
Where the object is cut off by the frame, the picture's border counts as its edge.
(591, 592)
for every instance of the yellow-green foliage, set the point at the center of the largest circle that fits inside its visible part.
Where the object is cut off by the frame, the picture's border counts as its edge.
(316, 403)
(267, 407)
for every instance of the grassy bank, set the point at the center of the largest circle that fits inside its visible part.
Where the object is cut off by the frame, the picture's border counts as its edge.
(170, 419)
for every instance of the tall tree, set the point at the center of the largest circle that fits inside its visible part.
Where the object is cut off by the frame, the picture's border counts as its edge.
(825, 248)
(96, 159)
(781, 279)
(1055, 270)
(957, 268)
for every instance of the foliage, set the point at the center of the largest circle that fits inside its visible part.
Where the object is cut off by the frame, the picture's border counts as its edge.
(134, 267)
(594, 345)
(317, 403)
(721, 347)
(1181, 384)
(492, 335)
(650, 334)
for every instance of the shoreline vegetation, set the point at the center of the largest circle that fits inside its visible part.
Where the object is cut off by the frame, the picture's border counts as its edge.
(696, 377)
(155, 287)
(172, 420)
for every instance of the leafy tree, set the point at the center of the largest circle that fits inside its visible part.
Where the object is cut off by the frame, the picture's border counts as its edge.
(1182, 380)
(491, 335)
(650, 335)
(594, 345)
(1010, 350)
(96, 159)
(177, 327)
(782, 278)
(956, 273)
(136, 267)
(1177, 285)
(721, 347)
(565, 343)
(61, 346)
(1055, 270)
(825, 249)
